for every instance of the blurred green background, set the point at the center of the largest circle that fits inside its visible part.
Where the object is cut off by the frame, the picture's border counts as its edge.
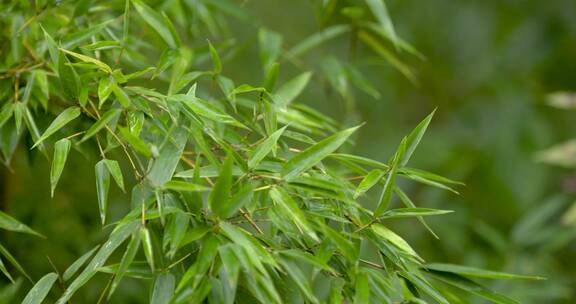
(488, 67)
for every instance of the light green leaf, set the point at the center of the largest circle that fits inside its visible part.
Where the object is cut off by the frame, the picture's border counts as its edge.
(215, 58)
(135, 142)
(264, 148)
(117, 237)
(184, 186)
(60, 121)
(126, 261)
(390, 181)
(101, 123)
(9, 223)
(378, 8)
(413, 212)
(123, 98)
(61, 150)
(270, 47)
(101, 65)
(116, 172)
(361, 288)
(157, 22)
(220, 196)
(104, 89)
(72, 269)
(40, 290)
(14, 262)
(314, 154)
(102, 187)
(291, 209)
(317, 38)
(163, 289)
(291, 89)
(371, 179)
(424, 286)
(393, 238)
(414, 138)
(68, 77)
(165, 164)
(146, 239)
(196, 272)
(479, 273)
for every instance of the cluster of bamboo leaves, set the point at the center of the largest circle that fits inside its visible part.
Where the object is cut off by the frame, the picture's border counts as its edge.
(238, 193)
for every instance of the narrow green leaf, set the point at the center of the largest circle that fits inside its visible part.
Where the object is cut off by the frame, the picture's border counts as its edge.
(184, 186)
(206, 257)
(371, 179)
(378, 8)
(472, 287)
(101, 123)
(414, 138)
(317, 38)
(290, 208)
(146, 239)
(135, 142)
(40, 290)
(393, 238)
(157, 22)
(163, 291)
(215, 58)
(264, 148)
(362, 288)
(479, 273)
(413, 212)
(408, 203)
(123, 98)
(101, 65)
(390, 181)
(68, 77)
(116, 172)
(206, 109)
(220, 195)
(61, 150)
(5, 271)
(118, 236)
(14, 262)
(9, 223)
(270, 48)
(6, 113)
(291, 89)
(314, 154)
(102, 187)
(104, 89)
(60, 121)
(165, 164)
(126, 261)
(424, 286)
(72, 269)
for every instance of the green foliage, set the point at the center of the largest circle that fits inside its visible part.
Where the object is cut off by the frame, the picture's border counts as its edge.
(237, 193)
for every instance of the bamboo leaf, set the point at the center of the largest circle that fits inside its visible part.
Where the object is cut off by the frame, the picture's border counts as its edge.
(117, 237)
(184, 186)
(61, 150)
(60, 121)
(72, 269)
(371, 179)
(390, 181)
(157, 22)
(414, 138)
(126, 261)
(9, 223)
(220, 196)
(479, 273)
(290, 209)
(101, 123)
(314, 154)
(378, 8)
(163, 291)
(265, 147)
(216, 61)
(101, 65)
(114, 169)
(291, 89)
(40, 290)
(102, 188)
